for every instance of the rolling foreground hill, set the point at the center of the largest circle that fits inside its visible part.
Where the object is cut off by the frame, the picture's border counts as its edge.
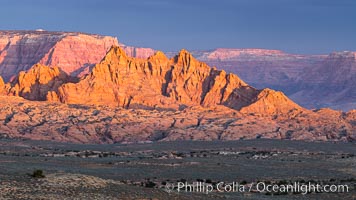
(125, 99)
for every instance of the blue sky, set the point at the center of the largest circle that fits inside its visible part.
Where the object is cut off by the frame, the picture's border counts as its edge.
(296, 26)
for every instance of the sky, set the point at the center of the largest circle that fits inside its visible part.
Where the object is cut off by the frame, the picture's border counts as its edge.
(294, 26)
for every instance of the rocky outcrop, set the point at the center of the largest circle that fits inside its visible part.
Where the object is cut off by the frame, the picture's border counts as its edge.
(39, 83)
(159, 82)
(102, 124)
(70, 51)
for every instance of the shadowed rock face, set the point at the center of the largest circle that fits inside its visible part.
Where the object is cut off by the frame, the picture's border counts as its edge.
(331, 84)
(72, 52)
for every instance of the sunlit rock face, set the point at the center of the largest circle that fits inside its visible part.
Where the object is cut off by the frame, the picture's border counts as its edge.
(155, 82)
(2, 85)
(71, 52)
(38, 83)
(159, 82)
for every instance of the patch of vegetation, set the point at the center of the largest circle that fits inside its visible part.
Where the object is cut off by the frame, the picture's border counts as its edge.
(150, 184)
(38, 173)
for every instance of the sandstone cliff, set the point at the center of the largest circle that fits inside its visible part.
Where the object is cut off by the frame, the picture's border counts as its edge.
(72, 52)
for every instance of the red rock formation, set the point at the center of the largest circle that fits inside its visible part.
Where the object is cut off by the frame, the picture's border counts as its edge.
(159, 82)
(38, 82)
